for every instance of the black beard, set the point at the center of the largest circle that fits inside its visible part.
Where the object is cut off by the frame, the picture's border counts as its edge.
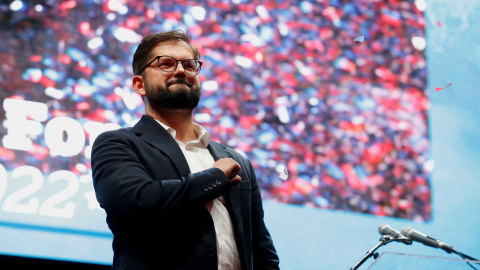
(185, 97)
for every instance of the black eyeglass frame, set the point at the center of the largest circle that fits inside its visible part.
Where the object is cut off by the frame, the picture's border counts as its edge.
(176, 64)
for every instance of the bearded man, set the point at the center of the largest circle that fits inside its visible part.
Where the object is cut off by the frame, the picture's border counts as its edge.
(174, 199)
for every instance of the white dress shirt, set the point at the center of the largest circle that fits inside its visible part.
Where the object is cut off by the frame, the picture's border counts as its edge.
(199, 158)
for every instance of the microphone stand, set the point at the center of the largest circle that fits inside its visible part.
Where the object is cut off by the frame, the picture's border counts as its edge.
(465, 256)
(383, 241)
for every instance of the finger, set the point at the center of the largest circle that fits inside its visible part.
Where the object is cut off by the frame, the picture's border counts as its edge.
(234, 173)
(236, 169)
(235, 179)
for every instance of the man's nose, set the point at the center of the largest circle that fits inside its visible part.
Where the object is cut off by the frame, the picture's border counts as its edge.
(180, 70)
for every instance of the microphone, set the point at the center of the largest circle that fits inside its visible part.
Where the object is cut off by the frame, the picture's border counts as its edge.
(385, 229)
(426, 240)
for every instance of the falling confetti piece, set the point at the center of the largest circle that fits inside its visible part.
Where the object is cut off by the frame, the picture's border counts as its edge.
(360, 39)
(439, 23)
(284, 174)
(92, 200)
(440, 88)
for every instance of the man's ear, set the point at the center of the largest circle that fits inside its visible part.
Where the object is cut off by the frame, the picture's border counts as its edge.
(139, 85)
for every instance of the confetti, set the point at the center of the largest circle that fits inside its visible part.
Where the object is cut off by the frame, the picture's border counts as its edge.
(439, 23)
(359, 39)
(92, 200)
(284, 173)
(440, 88)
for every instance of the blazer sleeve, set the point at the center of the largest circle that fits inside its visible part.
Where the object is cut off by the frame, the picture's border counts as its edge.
(124, 186)
(264, 253)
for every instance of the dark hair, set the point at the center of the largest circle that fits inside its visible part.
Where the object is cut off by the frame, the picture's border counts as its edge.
(142, 54)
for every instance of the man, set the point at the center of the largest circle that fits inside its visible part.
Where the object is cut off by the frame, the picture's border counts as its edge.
(173, 198)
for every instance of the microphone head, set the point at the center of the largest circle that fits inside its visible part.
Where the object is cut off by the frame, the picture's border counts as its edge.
(406, 232)
(384, 229)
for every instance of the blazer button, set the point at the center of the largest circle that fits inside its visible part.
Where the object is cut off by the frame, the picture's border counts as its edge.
(205, 188)
(210, 186)
(211, 252)
(218, 182)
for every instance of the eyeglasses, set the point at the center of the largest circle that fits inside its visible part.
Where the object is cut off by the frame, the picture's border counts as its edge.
(169, 64)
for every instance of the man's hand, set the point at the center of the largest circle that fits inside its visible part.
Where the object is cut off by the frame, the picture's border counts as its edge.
(230, 167)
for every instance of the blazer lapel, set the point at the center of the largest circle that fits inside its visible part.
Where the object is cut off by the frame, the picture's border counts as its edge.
(233, 195)
(153, 133)
(234, 202)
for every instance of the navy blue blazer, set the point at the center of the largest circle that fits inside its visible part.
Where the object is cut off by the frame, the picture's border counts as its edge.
(156, 208)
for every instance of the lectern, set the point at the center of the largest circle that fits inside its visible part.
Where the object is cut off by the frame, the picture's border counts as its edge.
(397, 261)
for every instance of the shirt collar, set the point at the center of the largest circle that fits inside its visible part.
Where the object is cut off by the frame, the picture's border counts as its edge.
(203, 135)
